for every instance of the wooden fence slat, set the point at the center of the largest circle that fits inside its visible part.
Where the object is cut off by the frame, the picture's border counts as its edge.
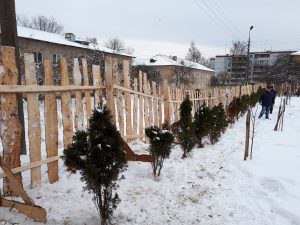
(97, 83)
(155, 112)
(127, 97)
(141, 104)
(135, 107)
(79, 121)
(109, 67)
(10, 132)
(146, 102)
(34, 128)
(87, 94)
(51, 124)
(120, 112)
(166, 101)
(66, 105)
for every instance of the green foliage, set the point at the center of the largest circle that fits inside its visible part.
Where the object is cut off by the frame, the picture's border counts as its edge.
(160, 146)
(184, 129)
(201, 127)
(217, 123)
(99, 156)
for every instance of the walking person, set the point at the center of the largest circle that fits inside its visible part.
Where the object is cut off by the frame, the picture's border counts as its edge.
(266, 100)
(274, 93)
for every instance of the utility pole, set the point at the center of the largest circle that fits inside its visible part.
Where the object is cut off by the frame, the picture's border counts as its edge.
(9, 37)
(247, 62)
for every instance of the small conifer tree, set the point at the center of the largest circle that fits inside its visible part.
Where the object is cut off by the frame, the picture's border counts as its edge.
(160, 146)
(99, 156)
(184, 129)
(217, 123)
(201, 126)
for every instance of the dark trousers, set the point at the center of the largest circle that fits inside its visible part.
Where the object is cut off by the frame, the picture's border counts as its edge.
(264, 110)
(271, 109)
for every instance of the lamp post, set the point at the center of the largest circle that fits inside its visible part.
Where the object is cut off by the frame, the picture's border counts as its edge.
(247, 62)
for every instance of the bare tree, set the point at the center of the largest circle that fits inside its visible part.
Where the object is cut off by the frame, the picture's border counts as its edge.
(92, 40)
(238, 48)
(117, 45)
(194, 55)
(182, 74)
(44, 23)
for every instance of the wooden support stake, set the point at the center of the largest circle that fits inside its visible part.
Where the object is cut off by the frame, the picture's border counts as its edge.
(247, 135)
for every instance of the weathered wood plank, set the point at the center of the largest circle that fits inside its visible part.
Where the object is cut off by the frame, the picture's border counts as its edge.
(109, 67)
(16, 186)
(34, 128)
(34, 212)
(141, 105)
(77, 77)
(9, 118)
(127, 97)
(97, 83)
(135, 107)
(51, 124)
(87, 94)
(66, 105)
(155, 102)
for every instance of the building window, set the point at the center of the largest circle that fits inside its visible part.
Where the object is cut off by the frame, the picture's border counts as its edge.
(120, 66)
(55, 59)
(38, 57)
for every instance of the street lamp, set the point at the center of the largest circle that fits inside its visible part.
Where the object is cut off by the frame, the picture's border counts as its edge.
(247, 62)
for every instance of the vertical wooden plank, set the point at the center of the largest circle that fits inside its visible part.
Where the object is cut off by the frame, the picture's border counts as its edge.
(51, 124)
(34, 126)
(87, 94)
(109, 66)
(79, 121)
(155, 112)
(141, 105)
(97, 83)
(159, 108)
(127, 97)
(146, 102)
(150, 100)
(10, 131)
(66, 105)
(166, 101)
(135, 107)
(120, 111)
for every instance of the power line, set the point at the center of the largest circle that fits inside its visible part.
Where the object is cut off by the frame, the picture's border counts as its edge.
(214, 19)
(219, 19)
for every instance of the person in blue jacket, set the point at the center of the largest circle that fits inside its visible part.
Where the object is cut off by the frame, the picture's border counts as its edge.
(274, 93)
(266, 100)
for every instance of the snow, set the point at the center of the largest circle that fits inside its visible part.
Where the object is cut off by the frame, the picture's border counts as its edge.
(25, 32)
(164, 60)
(296, 53)
(212, 186)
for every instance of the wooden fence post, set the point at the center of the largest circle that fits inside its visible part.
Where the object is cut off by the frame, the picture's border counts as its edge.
(51, 124)
(10, 131)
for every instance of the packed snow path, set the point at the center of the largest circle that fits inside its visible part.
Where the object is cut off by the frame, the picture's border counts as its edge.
(213, 186)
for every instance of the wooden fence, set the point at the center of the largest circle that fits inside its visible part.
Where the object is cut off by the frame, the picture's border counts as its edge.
(57, 111)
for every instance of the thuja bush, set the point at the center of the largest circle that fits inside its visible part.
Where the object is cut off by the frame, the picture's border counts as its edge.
(99, 156)
(201, 127)
(184, 129)
(232, 110)
(160, 146)
(217, 123)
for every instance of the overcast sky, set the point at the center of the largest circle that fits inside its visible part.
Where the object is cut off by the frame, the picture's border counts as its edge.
(168, 26)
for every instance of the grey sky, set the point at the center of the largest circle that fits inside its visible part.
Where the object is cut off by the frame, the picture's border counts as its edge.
(168, 26)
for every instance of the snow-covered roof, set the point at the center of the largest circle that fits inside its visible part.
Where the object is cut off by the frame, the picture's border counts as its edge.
(25, 32)
(296, 53)
(164, 60)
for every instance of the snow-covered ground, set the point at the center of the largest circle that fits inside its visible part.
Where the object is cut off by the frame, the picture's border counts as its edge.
(213, 186)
